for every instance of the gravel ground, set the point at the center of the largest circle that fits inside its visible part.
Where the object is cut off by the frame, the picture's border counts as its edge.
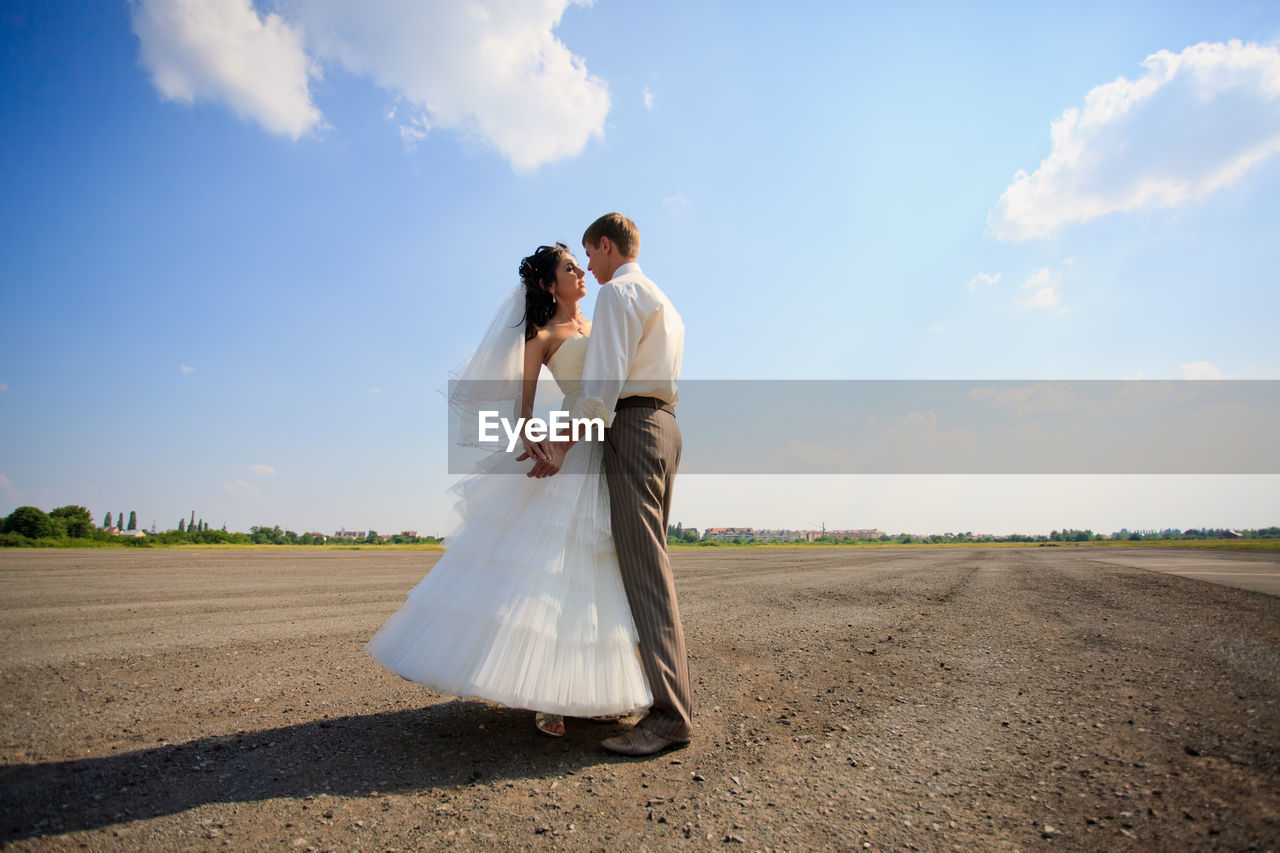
(1001, 699)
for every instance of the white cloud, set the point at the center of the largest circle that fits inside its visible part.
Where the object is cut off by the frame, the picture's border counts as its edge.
(983, 280)
(4, 386)
(1193, 123)
(5, 482)
(1029, 400)
(491, 70)
(920, 420)
(222, 50)
(648, 99)
(186, 369)
(262, 469)
(413, 133)
(375, 391)
(676, 203)
(1201, 370)
(1043, 290)
(240, 487)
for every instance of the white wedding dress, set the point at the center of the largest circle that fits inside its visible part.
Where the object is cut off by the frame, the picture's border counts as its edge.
(526, 607)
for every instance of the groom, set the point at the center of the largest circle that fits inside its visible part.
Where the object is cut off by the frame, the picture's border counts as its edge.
(629, 381)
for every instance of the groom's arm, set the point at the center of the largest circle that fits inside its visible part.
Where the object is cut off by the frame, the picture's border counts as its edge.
(616, 327)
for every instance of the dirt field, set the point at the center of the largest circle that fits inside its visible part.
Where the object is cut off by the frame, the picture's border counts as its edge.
(1038, 698)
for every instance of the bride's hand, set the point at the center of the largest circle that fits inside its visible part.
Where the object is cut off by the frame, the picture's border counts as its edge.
(549, 467)
(535, 450)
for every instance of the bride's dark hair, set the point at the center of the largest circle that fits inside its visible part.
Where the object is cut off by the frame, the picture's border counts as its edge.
(538, 272)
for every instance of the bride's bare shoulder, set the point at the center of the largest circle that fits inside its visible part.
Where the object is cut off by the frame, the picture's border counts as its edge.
(539, 343)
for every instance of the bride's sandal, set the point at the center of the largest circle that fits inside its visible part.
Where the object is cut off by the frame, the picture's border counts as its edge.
(549, 724)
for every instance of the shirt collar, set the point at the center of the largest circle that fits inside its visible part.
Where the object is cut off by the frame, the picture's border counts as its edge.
(626, 269)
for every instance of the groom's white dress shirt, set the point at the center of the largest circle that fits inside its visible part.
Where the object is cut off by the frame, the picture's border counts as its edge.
(637, 344)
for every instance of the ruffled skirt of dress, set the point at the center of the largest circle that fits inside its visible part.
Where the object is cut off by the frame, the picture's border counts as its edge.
(526, 607)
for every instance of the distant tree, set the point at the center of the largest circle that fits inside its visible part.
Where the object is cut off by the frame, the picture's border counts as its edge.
(29, 521)
(106, 522)
(133, 519)
(182, 525)
(76, 521)
(266, 535)
(372, 538)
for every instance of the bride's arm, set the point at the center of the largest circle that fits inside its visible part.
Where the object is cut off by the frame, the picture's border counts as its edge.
(534, 349)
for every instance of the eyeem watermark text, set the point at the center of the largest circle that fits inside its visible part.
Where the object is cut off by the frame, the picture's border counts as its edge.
(559, 428)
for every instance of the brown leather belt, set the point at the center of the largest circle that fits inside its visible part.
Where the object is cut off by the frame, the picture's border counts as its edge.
(644, 403)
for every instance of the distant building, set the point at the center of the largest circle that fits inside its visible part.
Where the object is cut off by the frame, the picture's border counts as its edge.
(768, 535)
(349, 535)
(728, 534)
(860, 533)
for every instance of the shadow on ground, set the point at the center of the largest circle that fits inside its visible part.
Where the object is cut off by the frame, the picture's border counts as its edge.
(446, 745)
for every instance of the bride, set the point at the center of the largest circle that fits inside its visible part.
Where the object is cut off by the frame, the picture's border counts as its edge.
(526, 607)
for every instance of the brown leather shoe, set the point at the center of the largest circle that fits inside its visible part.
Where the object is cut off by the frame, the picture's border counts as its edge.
(640, 741)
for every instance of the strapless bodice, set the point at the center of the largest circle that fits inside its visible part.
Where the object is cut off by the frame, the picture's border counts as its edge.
(566, 363)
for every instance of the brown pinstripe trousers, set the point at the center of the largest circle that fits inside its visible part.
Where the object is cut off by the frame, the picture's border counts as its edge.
(641, 455)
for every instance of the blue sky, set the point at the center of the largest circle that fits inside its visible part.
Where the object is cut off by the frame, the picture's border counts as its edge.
(242, 245)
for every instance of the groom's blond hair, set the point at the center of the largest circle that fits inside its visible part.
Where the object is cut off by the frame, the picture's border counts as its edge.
(620, 230)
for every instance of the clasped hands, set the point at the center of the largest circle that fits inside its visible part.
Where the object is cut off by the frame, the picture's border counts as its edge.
(547, 456)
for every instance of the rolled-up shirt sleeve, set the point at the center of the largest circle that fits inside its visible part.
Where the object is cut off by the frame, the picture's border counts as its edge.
(616, 328)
